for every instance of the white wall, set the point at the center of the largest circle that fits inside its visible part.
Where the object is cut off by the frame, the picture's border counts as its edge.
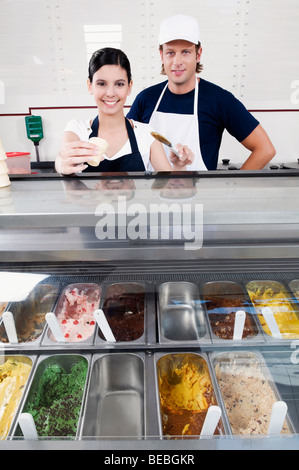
(250, 47)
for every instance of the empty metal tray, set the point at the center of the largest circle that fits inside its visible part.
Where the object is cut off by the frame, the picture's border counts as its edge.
(180, 314)
(115, 397)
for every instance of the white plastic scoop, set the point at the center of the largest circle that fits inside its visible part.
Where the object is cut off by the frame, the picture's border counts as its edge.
(271, 322)
(239, 325)
(212, 417)
(278, 414)
(165, 141)
(55, 327)
(10, 327)
(103, 324)
(27, 426)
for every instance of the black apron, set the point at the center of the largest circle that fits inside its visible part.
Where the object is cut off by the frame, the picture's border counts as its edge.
(130, 162)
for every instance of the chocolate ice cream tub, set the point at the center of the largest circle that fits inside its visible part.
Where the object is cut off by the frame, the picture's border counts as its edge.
(115, 401)
(275, 296)
(185, 390)
(29, 316)
(55, 395)
(74, 313)
(180, 314)
(248, 392)
(125, 306)
(222, 300)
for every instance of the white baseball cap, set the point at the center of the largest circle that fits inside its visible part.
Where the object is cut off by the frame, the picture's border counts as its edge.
(179, 27)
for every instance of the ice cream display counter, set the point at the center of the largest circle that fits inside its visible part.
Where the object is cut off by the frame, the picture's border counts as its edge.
(142, 311)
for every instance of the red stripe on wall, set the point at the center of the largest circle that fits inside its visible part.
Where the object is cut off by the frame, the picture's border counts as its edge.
(51, 108)
(127, 106)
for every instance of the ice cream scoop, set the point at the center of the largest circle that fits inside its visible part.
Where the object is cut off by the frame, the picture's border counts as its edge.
(55, 327)
(165, 141)
(103, 325)
(27, 426)
(279, 411)
(211, 420)
(271, 322)
(10, 327)
(239, 325)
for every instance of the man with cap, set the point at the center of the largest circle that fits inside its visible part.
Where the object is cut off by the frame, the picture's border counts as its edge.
(192, 111)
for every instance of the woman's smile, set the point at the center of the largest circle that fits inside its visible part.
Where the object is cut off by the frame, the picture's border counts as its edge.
(110, 103)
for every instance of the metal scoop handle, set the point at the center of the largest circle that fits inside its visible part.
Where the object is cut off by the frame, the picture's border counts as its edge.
(174, 150)
(163, 140)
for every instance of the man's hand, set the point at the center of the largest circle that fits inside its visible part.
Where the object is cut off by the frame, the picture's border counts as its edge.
(186, 156)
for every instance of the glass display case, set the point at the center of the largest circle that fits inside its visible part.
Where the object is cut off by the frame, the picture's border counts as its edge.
(174, 298)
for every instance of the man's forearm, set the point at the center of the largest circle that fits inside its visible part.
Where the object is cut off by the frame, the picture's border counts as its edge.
(262, 150)
(257, 160)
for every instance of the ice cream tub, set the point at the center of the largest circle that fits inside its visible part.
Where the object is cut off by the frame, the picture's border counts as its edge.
(55, 396)
(185, 390)
(285, 309)
(247, 392)
(294, 286)
(222, 300)
(15, 371)
(180, 315)
(115, 401)
(74, 311)
(29, 315)
(3, 306)
(18, 162)
(124, 305)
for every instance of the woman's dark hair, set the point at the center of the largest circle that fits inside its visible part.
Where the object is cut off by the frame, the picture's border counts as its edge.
(108, 56)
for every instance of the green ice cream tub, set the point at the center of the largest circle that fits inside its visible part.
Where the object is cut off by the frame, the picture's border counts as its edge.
(56, 395)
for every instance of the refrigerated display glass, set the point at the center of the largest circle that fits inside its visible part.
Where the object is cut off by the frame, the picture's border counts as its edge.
(150, 309)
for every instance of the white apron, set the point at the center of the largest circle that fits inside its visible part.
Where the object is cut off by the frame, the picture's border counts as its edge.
(180, 128)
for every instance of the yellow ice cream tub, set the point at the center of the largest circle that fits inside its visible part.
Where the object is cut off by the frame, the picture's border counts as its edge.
(14, 373)
(273, 294)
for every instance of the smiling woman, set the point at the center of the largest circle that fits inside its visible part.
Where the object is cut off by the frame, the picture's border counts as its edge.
(131, 146)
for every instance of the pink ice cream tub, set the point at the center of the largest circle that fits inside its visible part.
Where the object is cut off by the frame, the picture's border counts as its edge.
(74, 312)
